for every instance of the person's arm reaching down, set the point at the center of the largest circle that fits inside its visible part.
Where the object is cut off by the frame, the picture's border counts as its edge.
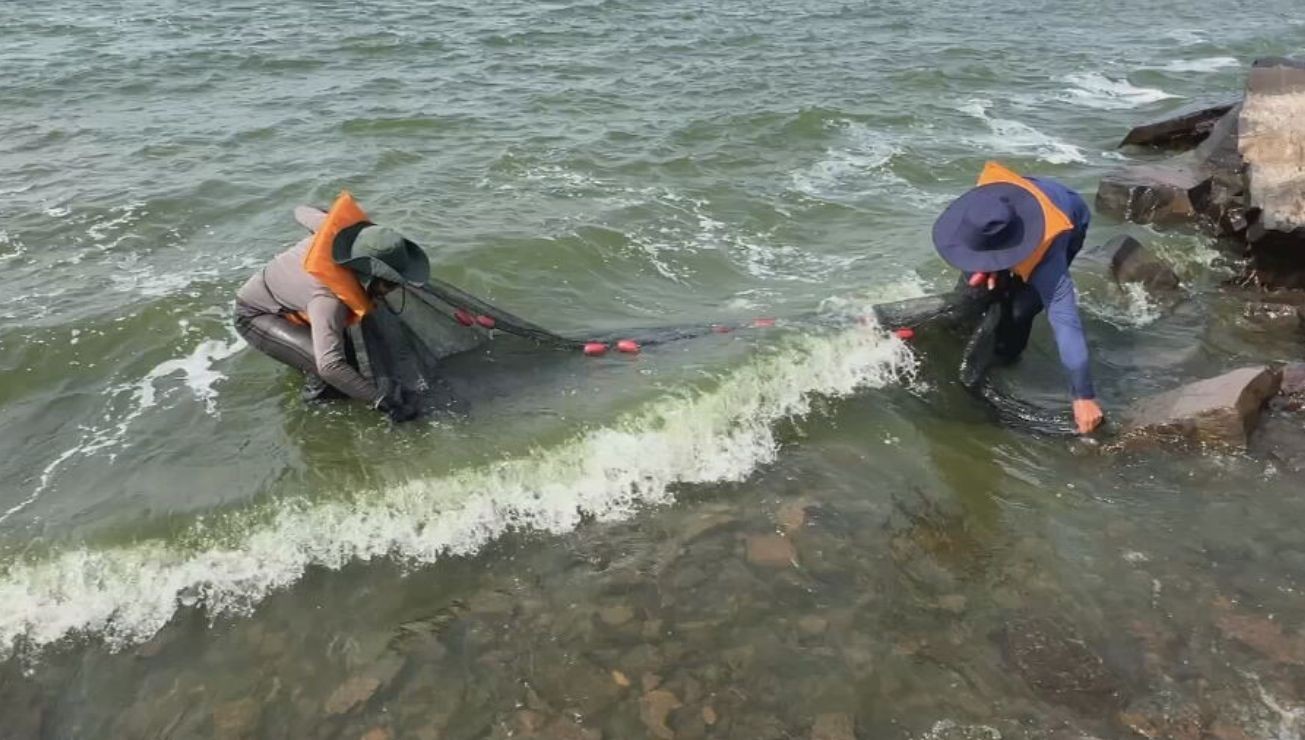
(328, 318)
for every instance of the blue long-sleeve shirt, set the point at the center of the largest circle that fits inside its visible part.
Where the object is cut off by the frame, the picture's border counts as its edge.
(1053, 284)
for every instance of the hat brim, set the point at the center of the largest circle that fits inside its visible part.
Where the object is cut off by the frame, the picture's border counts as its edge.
(964, 255)
(417, 264)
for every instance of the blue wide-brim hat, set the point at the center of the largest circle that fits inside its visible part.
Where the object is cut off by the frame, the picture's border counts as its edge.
(990, 228)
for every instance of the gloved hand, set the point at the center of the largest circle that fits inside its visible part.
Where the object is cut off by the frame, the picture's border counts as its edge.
(395, 403)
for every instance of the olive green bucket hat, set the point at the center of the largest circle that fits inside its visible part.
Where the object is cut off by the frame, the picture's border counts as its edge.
(381, 252)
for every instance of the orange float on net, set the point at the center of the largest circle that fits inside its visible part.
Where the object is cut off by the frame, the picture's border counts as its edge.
(628, 346)
(594, 349)
(906, 333)
(763, 323)
(464, 317)
(485, 321)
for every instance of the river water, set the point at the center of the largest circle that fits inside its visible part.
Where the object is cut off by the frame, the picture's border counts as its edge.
(767, 534)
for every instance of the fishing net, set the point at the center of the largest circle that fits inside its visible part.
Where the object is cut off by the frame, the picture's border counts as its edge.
(413, 331)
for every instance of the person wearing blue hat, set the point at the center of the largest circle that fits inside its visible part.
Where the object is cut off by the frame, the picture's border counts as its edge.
(1017, 236)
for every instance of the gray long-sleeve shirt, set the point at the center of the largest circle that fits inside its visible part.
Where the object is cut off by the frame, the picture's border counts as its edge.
(284, 286)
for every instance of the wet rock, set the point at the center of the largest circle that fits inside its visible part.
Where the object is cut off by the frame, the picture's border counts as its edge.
(813, 625)
(650, 681)
(567, 729)
(587, 689)
(1220, 411)
(1056, 662)
(1262, 635)
(654, 707)
(1184, 128)
(1272, 142)
(1130, 262)
(704, 524)
(491, 603)
(621, 679)
(1163, 717)
(235, 720)
(792, 516)
(1202, 189)
(954, 603)
(770, 551)
(1293, 379)
(709, 716)
(1272, 316)
(1221, 730)
(359, 689)
(377, 733)
(833, 726)
(528, 720)
(1170, 194)
(1180, 129)
(615, 616)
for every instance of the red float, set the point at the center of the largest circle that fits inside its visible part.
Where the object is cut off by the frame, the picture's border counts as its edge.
(594, 349)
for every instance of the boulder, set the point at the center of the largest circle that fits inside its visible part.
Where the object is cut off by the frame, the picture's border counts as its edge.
(1272, 142)
(1219, 411)
(833, 726)
(1130, 262)
(654, 708)
(1181, 129)
(1203, 189)
(1169, 194)
(1218, 156)
(770, 551)
(1058, 664)
(1269, 315)
(1293, 379)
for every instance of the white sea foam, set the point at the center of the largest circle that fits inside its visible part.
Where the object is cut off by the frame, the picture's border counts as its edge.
(859, 165)
(1129, 307)
(125, 594)
(1186, 36)
(197, 370)
(10, 247)
(1019, 139)
(1209, 64)
(693, 229)
(1095, 90)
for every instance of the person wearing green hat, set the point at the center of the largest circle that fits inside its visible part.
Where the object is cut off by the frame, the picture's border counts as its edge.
(298, 308)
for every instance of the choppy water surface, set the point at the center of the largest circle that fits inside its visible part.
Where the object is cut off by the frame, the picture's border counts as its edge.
(741, 536)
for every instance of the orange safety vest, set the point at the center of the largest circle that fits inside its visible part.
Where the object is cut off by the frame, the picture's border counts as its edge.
(1055, 222)
(320, 263)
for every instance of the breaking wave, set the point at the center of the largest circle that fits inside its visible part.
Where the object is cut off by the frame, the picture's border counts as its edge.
(125, 594)
(1019, 139)
(1209, 64)
(1095, 90)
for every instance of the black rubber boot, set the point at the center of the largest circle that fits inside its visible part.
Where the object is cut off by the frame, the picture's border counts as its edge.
(316, 390)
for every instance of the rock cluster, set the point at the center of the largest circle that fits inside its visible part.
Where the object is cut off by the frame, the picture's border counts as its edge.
(1242, 176)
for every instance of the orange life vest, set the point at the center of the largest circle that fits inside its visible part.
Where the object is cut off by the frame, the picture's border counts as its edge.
(320, 263)
(1055, 222)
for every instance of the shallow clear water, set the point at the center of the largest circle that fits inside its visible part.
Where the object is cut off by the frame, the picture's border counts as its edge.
(189, 551)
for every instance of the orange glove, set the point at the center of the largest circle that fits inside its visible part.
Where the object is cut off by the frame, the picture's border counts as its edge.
(1087, 414)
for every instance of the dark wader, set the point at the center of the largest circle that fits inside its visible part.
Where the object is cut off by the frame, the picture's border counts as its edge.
(289, 343)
